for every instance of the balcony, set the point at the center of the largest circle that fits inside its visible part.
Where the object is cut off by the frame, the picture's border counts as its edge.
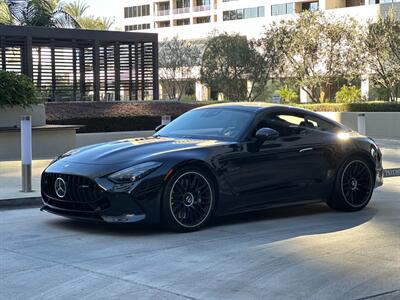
(161, 13)
(201, 8)
(182, 10)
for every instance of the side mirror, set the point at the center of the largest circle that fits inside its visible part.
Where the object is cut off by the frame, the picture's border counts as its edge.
(159, 127)
(266, 134)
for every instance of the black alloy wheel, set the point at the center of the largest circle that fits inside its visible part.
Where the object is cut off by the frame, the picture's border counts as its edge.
(353, 186)
(190, 197)
(356, 183)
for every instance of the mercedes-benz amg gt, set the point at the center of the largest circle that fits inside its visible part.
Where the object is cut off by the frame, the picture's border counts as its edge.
(216, 160)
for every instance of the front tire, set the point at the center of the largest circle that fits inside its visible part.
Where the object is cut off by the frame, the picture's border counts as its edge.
(188, 200)
(354, 185)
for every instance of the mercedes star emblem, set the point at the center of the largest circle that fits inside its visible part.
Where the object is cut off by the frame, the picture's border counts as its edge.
(60, 187)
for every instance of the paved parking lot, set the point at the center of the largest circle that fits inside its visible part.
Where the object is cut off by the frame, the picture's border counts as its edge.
(307, 252)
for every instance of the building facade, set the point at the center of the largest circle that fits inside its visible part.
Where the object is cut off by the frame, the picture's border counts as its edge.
(196, 19)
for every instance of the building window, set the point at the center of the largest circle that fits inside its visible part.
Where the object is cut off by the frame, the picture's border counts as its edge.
(380, 1)
(182, 22)
(202, 2)
(182, 3)
(137, 11)
(311, 6)
(137, 27)
(282, 9)
(201, 20)
(164, 24)
(163, 6)
(244, 13)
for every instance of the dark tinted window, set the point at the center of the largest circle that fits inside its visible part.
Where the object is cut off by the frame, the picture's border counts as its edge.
(285, 123)
(212, 123)
(321, 125)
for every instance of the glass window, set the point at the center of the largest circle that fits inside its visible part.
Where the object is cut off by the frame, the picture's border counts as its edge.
(286, 124)
(137, 11)
(244, 13)
(281, 9)
(202, 2)
(316, 123)
(261, 11)
(289, 8)
(210, 123)
(314, 6)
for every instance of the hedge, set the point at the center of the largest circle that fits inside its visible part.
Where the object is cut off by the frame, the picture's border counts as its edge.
(353, 107)
(131, 116)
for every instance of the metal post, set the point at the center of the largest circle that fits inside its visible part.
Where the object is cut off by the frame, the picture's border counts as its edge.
(96, 70)
(117, 72)
(361, 124)
(26, 153)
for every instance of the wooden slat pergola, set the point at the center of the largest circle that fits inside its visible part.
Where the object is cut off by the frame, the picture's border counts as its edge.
(82, 65)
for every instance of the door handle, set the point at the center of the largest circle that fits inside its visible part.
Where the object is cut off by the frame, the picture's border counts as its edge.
(306, 149)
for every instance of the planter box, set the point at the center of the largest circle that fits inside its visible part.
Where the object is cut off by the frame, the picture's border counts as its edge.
(11, 116)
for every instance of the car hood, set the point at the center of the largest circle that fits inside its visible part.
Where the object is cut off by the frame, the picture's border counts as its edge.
(129, 150)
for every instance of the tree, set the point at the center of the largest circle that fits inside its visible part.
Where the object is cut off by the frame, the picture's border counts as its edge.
(47, 13)
(348, 94)
(177, 60)
(383, 44)
(237, 67)
(287, 95)
(50, 13)
(318, 51)
(77, 10)
(5, 16)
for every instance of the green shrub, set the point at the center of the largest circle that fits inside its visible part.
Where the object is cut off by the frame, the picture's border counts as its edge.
(287, 95)
(17, 90)
(372, 106)
(348, 94)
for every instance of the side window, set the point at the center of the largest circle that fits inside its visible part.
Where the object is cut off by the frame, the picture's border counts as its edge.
(286, 124)
(321, 125)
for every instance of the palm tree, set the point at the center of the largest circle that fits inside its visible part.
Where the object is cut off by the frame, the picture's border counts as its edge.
(77, 10)
(47, 13)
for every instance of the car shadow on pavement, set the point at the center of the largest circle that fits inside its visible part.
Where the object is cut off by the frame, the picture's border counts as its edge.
(293, 220)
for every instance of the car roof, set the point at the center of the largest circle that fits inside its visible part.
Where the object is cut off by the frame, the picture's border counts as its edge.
(246, 106)
(256, 107)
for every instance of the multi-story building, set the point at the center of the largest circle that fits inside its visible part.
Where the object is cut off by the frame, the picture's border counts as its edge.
(196, 19)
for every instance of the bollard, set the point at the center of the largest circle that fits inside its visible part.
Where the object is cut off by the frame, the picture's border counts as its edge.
(361, 128)
(26, 153)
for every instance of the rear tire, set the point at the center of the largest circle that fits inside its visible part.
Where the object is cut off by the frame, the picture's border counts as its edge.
(354, 185)
(188, 200)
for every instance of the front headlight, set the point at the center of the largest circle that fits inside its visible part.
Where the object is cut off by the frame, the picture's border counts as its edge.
(134, 173)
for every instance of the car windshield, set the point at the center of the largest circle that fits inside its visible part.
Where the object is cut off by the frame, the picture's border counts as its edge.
(209, 123)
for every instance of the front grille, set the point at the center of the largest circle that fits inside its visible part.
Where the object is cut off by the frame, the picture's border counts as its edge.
(82, 193)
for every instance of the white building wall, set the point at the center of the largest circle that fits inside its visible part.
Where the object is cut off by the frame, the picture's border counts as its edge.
(252, 28)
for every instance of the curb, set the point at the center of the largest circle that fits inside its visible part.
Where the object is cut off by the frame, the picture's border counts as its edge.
(16, 203)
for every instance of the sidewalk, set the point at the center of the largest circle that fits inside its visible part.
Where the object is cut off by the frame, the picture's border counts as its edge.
(10, 175)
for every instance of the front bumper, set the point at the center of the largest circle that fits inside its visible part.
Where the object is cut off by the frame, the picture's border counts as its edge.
(86, 199)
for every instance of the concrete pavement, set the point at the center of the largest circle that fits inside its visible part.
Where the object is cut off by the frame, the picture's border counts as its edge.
(307, 252)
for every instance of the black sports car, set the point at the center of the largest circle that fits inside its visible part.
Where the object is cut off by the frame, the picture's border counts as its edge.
(216, 160)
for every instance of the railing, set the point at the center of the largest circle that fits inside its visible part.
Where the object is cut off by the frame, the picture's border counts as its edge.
(182, 10)
(201, 8)
(163, 12)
